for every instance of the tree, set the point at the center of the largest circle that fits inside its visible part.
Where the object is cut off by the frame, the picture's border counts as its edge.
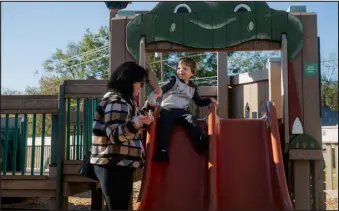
(249, 61)
(48, 85)
(89, 57)
(329, 82)
(7, 91)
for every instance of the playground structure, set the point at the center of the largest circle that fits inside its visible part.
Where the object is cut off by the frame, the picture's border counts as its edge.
(297, 110)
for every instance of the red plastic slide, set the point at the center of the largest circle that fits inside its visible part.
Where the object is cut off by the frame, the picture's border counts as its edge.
(244, 169)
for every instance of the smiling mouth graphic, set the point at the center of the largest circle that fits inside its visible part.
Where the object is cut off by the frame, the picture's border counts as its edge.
(214, 26)
(249, 27)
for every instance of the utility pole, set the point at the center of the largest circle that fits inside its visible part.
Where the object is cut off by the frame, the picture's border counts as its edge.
(161, 68)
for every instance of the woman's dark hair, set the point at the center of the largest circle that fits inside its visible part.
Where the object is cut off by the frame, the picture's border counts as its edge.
(124, 76)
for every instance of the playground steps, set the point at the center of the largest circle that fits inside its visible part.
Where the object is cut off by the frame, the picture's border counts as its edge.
(73, 183)
(72, 167)
(71, 172)
(27, 186)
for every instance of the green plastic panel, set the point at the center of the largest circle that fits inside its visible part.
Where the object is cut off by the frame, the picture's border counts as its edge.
(213, 25)
(304, 141)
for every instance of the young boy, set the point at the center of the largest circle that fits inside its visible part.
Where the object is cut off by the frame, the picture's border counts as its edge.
(177, 94)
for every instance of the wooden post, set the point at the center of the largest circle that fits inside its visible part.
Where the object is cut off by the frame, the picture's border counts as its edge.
(274, 84)
(142, 63)
(61, 201)
(284, 90)
(308, 84)
(302, 169)
(329, 164)
(112, 14)
(311, 104)
(302, 184)
(223, 82)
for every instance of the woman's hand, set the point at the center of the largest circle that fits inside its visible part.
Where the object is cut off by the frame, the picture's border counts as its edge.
(148, 119)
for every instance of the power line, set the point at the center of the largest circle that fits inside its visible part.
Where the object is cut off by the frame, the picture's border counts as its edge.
(166, 60)
(199, 80)
(89, 61)
(102, 48)
(330, 60)
(107, 55)
(158, 61)
(328, 64)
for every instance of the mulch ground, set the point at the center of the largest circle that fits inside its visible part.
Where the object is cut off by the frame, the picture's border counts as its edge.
(83, 201)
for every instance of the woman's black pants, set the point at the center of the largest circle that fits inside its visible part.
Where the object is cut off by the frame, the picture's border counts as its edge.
(116, 184)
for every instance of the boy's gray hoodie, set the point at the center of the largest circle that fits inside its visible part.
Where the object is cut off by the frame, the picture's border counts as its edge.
(178, 94)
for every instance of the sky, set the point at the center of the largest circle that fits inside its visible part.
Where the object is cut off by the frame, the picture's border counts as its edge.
(32, 31)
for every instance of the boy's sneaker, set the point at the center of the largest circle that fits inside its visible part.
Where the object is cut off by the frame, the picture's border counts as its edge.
(205, 142)
(161, 156)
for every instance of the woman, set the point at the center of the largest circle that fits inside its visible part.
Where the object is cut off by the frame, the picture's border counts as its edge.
(117, 148)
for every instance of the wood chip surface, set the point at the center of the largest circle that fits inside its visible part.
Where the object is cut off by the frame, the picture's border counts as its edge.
(83, 201)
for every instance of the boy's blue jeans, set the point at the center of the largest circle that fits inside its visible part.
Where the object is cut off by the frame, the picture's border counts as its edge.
(169, 118)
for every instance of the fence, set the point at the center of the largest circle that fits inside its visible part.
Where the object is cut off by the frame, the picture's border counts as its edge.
(47, 156)
(330, 153)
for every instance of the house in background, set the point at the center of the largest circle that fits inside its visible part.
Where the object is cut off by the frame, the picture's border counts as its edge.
(329, 126)
(328, 117)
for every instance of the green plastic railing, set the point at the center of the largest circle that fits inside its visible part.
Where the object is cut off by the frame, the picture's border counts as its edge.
(33, 145)
(79, 135)
(5, 148)
(14, 144)
(42, 144)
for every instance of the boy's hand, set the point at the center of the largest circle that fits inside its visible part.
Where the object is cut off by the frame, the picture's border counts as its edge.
(214, 101)
(158, 91)
(152, 98)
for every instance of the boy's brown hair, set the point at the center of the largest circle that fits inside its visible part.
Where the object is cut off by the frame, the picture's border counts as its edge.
(188, 62)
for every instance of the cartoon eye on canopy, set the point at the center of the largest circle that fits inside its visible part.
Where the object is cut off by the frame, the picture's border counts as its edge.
(242, 8)
(182, 8)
